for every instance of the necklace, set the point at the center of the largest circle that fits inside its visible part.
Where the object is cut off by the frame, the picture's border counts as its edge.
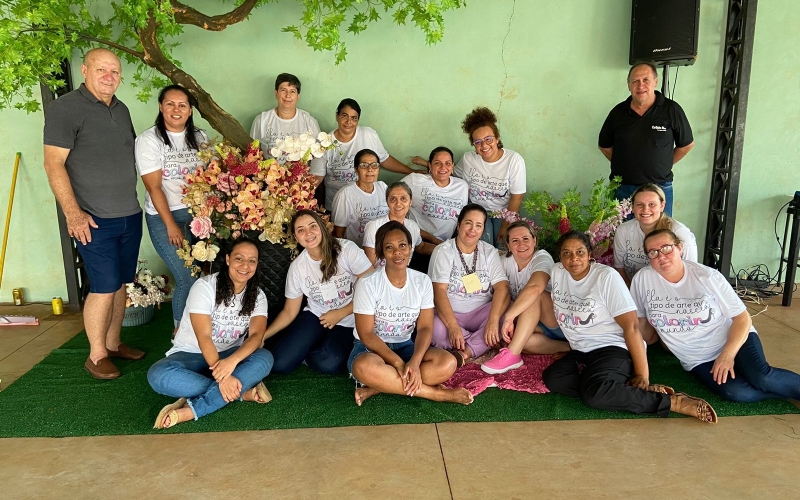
(467, 270)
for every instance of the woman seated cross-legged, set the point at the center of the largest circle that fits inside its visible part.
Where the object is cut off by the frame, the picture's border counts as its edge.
(325, 273)
(702, 321)
(216, 356)
(529, 325)
(388, 304)
(470, 289)
(607, 367)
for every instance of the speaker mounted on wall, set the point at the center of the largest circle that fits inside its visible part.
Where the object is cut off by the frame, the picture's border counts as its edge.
(664, 31)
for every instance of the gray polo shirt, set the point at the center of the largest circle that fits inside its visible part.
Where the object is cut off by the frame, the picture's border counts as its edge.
(100, 164)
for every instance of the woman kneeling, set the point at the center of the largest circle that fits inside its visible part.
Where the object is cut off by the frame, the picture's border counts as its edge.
(387, 305)
(607, 367)
(211, 363)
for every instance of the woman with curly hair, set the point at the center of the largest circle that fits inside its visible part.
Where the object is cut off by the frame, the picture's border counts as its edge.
(496, 176)
(325, 273)
(219, 335)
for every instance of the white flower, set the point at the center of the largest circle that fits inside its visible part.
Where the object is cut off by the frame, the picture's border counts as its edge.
(316, 150)
(324, 139)
(294, 156)
(203, 252)
(275, 152)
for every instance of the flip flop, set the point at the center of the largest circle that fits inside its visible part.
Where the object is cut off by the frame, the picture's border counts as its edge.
(171, 410)
(263, 394)
(704, 412)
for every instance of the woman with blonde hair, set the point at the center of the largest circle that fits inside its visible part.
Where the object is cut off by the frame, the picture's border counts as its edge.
(647, 204)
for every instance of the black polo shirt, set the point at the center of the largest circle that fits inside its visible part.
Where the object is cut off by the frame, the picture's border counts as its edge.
(100, 165)
(643, 145)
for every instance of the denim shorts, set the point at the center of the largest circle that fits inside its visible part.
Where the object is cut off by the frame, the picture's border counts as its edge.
(403, 349)
(111, 257)
(552, 333)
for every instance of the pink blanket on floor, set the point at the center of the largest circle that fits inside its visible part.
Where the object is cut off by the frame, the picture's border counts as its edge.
(527, 378)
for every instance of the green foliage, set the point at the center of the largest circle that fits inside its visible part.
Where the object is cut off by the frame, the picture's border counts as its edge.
(36, 35)
(547, 211)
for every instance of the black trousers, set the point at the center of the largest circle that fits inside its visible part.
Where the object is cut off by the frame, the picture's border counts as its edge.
(598, 378)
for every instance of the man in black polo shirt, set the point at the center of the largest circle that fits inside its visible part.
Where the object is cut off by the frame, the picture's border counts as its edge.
(645, 135)
(89, 160)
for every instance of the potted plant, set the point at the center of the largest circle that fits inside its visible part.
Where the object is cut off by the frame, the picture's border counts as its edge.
(146, 291)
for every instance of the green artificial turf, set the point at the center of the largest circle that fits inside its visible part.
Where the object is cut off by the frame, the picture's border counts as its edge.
(58, 398)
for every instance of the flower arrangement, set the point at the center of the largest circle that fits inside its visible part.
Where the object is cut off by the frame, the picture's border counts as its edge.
(599, 217)
(146, 289)
(238, 192)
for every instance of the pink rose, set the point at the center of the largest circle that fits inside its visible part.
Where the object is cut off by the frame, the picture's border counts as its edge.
(201, 227)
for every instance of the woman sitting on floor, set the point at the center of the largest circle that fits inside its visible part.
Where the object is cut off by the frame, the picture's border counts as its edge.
(647, 204)
(388, 304)
(398, 198)
(529, 325)
(325, 273)
(607, 367)
(216, 356)
(470, 289)
(705, 324)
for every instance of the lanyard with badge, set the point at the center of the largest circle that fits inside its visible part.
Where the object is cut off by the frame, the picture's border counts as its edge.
(470, 280)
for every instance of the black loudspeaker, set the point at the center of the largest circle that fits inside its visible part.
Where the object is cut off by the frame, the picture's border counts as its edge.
(664, 31)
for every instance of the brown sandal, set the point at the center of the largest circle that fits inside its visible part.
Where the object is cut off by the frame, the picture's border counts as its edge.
(703, 411)
(170, 410)
(660, 388)
(262, 394)
(460, 359)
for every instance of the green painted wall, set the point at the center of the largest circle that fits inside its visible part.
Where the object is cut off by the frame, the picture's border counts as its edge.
(552, 71)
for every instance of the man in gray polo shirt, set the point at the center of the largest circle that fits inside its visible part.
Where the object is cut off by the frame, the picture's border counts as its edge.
(89, 160)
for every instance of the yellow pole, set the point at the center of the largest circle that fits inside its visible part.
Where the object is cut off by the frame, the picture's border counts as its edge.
(8, 216)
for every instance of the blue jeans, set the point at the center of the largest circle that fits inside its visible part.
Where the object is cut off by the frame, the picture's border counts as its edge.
(186, 375)
(405, 350)
(755, 379)
(490, 231)
(305, 339)
(626, 190)
(183, 275)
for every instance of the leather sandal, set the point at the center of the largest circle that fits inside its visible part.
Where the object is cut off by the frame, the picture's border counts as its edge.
(262, 394)
(660, 388)
(125, 352)
(703, 410)
(170, 410)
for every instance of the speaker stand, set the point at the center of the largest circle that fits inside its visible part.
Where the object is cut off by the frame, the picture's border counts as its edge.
(665, 80)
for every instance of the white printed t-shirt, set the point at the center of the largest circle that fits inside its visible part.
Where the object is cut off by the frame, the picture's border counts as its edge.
(586, 309)
(305, 278)
(692, 316)
(492, 184)
(629, 246)
(353, 208)
(372, 227)
(175, 162)
(395, 309)
(268, 127)
(338, 167)
(446, 267)
(436, 208)
(541, 261)
(228, 328)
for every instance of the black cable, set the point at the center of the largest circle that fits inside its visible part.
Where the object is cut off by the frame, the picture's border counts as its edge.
(675, 82)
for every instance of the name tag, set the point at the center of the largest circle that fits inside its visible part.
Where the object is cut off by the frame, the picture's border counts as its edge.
(471, 282)
(328, 291)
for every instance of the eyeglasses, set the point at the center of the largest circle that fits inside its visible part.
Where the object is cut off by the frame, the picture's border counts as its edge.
(345, 117)
(370, 166)
(666, 250)
(489, 140)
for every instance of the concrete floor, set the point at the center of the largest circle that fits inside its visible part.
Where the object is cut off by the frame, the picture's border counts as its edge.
(741, 457)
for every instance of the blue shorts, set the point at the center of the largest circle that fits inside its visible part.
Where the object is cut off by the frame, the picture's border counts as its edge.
(111, 257)
(403, 349)
(552, 333)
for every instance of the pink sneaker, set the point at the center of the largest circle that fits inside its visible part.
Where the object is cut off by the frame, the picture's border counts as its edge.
(504, 361)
